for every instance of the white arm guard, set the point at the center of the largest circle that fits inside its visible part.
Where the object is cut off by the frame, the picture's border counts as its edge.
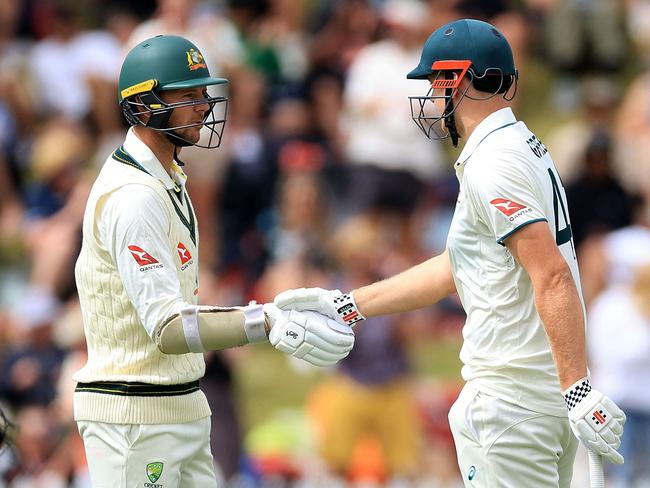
(200, 329)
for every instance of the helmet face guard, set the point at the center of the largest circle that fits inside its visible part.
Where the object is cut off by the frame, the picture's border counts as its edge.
(156, 112)
(447, 76)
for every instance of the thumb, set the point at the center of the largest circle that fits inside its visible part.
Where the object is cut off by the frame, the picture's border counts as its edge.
(272, 313)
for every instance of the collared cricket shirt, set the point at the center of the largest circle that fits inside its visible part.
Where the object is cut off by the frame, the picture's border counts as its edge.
(507, 181)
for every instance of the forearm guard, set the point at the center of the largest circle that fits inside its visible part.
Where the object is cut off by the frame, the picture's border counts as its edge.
(200, 329)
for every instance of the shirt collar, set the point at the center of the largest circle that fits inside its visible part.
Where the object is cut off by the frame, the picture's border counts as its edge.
(494, 121)
(145, 156)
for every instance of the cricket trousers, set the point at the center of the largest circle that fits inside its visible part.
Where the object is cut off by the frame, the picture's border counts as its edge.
(149, 455)
(502, 445)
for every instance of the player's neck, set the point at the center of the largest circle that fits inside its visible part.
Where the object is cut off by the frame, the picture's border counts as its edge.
(161, 147)
(473, 113)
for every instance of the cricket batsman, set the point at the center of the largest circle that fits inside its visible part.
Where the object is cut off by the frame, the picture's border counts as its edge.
(527, 400)
(142, 416)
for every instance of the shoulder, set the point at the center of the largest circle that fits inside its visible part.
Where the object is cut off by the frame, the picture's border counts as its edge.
(134, 196)
(136, 203)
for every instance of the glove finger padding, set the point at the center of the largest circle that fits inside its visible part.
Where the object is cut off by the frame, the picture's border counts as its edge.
(318, 361)
(312, 337)
(330, 331)
(615, 411)
(325, 345)
(302, 298)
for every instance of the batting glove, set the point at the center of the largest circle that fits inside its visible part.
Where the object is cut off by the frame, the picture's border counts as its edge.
(595, 420)
(332, 303)
(309, 336)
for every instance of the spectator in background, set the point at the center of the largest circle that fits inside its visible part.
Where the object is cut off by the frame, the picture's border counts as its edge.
(623, 367)
(65, 64)
(273, 39)
(597, 201)
(342, 29)
(248, 177)
(613, 259)
(583, 37)
(55, 202)
(371, 389)
(391, 162)
(632, 132)
(29, 373)
(568, 140)
(213, 32)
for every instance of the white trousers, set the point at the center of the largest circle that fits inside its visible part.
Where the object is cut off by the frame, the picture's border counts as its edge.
(149, 455)
(500, 444)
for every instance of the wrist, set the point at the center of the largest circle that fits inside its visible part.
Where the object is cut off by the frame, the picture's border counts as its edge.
(346, 308)
(256, 323)
(577, 392)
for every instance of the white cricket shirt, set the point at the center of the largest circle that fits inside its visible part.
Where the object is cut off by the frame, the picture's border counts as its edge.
(507, 181)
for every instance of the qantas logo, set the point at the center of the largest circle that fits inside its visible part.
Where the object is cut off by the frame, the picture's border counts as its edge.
(142, 257)
(507, 207)
(183, 253)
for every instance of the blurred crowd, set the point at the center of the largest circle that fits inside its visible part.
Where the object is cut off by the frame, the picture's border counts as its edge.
(322, 179)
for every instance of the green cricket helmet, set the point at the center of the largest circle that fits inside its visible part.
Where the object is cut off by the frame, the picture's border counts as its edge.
(168, 63)
(458, 49)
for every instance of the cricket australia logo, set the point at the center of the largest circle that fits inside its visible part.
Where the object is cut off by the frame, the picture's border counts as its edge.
(154, 471)
(195, 60)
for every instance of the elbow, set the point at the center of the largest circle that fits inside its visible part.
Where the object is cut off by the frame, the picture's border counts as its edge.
(557, 277)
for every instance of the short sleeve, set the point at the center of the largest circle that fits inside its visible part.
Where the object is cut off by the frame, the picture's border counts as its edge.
(504, 198)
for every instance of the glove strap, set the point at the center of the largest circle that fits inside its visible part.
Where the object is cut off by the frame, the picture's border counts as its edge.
(254, 323)
(576, 392)
(347, 309)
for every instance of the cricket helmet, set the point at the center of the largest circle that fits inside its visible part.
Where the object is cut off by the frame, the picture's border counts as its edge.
(465, 47)
(168, 63)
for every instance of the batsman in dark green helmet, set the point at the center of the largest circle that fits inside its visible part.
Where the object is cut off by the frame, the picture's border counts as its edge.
(169, 63)
(463, 49)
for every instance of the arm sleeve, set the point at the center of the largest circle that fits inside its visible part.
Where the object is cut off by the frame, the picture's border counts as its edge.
(504, 198)
(134, 226)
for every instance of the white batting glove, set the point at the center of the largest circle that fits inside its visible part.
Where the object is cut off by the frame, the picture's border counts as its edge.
(595, 420)
(309, 336)
(332, 303)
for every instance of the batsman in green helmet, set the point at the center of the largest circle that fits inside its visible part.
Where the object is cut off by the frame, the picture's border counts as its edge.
(142, 416)
(510, 256)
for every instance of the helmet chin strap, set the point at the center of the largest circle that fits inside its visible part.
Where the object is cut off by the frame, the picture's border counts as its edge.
(450, 120)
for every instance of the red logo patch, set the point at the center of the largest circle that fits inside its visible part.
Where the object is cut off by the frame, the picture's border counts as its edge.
(183, 253)
(142, 257)
(507, 207)
(599, 417)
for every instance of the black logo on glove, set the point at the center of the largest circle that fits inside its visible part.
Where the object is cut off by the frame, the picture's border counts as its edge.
(292, 334)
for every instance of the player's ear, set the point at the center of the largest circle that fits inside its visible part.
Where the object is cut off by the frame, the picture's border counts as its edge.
(463, 87)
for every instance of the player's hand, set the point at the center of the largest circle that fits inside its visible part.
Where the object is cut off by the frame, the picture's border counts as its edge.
(595, 420)
(309, 336)
(332, 303)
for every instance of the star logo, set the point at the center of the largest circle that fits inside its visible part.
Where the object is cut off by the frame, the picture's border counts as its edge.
(142, 257)
(183, 253)
(507, 207)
